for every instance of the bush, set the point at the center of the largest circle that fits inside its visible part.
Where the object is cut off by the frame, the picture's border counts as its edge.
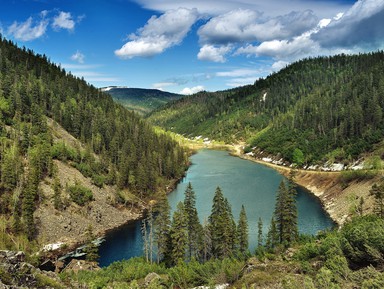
(80, 194)
(357, 175)
(363, 241)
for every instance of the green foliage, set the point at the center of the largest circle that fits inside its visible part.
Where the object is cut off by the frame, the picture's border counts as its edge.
(294, 108)
(194, 227)
(377, 192)
(222, 226)
(80, 194)
(242, 231)
(286, 212)
(38, 99)
(91, 248)
(363, 241)
(298, 157)
(356, 175)
(179, 234)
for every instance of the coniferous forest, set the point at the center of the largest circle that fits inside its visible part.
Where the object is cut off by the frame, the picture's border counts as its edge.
(117, 148)
(318, 108)
(327, 107)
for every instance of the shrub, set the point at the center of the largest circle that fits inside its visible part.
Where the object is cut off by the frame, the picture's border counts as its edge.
(363, 241)
(80, 194)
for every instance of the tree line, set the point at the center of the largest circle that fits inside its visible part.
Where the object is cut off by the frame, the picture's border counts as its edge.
(184, 238)
(328, 107)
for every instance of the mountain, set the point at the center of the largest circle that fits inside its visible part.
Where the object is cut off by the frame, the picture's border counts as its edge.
(140, 100)
(70, 156)
(325, 108)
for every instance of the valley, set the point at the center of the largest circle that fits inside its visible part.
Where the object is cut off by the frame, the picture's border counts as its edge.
(75, 165)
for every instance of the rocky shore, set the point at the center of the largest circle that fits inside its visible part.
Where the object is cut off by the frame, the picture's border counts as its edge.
(339, 200)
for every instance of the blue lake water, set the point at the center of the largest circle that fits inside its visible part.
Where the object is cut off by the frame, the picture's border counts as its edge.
(242, 182)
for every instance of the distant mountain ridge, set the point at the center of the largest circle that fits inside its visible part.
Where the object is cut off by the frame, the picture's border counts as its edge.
(140, 100)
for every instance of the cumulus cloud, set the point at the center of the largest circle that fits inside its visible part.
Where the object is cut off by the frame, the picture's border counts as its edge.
(78, 56)
(63, 21)
(192, 90)
(159, 34)
(248, 25)
(214, 53)
(28, 30)
(362, 25)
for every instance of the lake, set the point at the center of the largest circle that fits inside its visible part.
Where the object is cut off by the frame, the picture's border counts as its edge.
(242, 182)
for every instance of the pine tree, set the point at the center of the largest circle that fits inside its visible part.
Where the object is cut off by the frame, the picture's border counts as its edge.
(194, 227)
(242, 231)
(286, 211)
(273, 238)
(260, 232)
(377, 191)
(222, 226)
(162, 226)
(179, 235)
(91, 249)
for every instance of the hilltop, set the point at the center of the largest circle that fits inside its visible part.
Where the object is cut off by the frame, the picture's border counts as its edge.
(325, 109)
(140, 100)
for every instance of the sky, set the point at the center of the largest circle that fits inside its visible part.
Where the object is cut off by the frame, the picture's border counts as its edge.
(187, 46)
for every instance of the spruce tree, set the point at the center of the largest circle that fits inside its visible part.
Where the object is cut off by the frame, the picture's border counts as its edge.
(286, 212)
(260, 232)
(194, 227)
(242, 231)
(222, 226)
(91, 249)
(273, 238)
(162, 225)
(377, 191)
(179, 235)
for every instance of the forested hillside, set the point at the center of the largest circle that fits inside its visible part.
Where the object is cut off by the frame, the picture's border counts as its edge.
(327, 107)
(141, 100)
(114, 146)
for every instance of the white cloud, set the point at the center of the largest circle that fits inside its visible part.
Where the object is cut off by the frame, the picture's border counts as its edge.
(270, 8)
(247, 25)
(279, 65)
(214, 53)
(159, 34)
(236, 82)
(238, 72)
(28, 30)
(192, 90)
(78, 56)
(162, 85)
(63, 21)
(362, 25)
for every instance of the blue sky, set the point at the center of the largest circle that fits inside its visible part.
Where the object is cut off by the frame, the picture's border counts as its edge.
(186, 46)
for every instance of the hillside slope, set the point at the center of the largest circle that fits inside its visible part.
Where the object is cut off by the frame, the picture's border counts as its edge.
(68, 150)
(140, 100)
(329, 108)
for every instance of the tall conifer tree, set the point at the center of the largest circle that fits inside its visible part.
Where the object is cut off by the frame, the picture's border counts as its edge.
(193, 224)
(242, 231)
(179, 234)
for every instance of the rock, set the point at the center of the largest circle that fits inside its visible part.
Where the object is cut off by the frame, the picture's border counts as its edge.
(150, 278)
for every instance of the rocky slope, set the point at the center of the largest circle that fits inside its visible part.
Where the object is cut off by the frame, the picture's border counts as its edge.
(69, 224)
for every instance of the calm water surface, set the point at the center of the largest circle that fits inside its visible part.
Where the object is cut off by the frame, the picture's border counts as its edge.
(242, 182)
